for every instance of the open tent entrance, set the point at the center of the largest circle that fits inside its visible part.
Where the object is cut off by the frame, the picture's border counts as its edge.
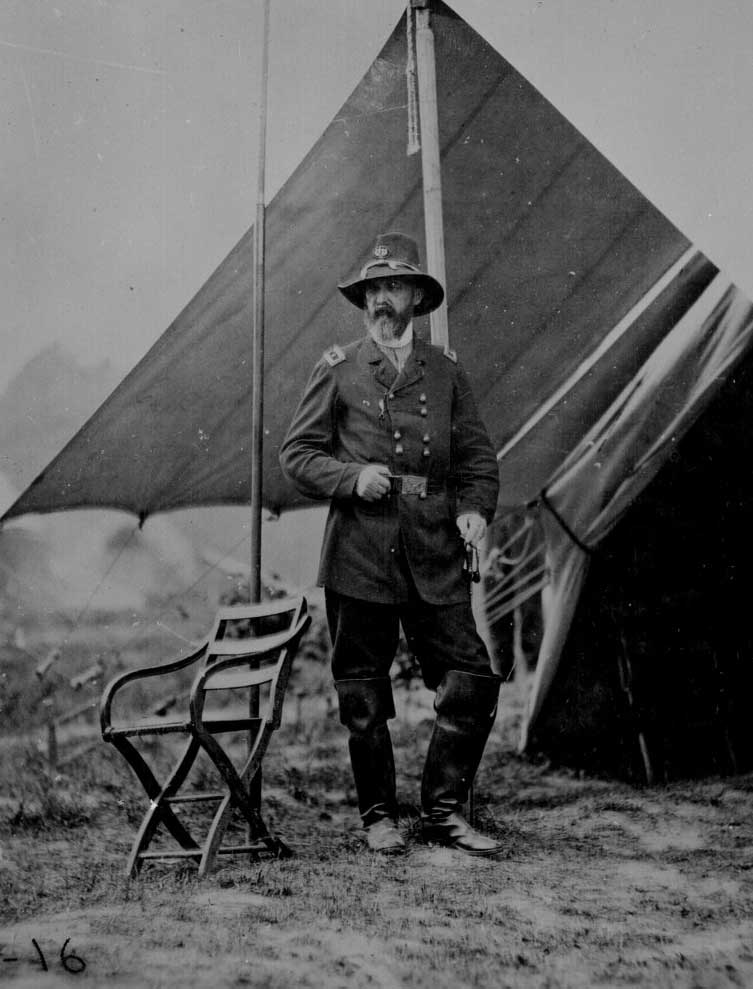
(656, 674)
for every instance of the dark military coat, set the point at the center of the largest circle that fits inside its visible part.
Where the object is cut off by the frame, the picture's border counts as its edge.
(357, 410)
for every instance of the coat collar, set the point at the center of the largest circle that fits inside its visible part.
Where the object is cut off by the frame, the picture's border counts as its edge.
(383, 369)
(385, 372)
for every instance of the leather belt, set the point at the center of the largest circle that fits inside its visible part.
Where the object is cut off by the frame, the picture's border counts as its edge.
(411, 484)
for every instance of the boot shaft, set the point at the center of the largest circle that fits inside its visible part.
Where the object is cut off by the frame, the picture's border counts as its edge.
(466, 704)
(365, 707)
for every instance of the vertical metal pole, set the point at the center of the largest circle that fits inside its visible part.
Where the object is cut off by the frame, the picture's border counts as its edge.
(257, 349)
(430, 162)
(257, 383)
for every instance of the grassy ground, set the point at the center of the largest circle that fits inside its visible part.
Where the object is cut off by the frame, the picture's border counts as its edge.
(600, 884)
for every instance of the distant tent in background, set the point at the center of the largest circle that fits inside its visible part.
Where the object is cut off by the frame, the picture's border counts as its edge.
(563, 283)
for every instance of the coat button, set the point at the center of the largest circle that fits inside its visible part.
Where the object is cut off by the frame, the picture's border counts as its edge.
(427, 452)
(426, 437)
(397, 434)
(424, 412)
(399, 449)
(422, 397)
(422, 495)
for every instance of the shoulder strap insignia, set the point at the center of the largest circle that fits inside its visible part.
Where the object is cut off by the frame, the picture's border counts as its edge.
(334, 356)
(450, 355)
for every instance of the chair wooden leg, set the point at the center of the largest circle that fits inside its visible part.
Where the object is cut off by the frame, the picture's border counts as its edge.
(237, 783)
(245, 794)
(159, 811)
(154, 790)
(252, 801)
(215, 835)
(258, 832)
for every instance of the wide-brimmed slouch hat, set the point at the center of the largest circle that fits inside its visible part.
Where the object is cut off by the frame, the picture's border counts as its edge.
(394, 255)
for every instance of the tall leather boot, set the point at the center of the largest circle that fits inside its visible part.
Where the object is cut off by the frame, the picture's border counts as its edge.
(466, 704)
(365, 707)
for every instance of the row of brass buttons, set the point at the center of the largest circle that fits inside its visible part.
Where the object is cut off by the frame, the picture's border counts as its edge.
(398, 435)
(399, 448)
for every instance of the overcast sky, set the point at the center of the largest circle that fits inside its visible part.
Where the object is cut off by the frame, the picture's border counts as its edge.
(128, 153)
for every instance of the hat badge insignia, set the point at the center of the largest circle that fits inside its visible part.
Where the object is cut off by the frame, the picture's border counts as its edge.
(381, 251)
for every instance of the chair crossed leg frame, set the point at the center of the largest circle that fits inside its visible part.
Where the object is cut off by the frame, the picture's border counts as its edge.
(228, 664)
(244, 786)
(160, 810)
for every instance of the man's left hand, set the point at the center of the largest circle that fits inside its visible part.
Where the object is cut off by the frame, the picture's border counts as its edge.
(471, 527)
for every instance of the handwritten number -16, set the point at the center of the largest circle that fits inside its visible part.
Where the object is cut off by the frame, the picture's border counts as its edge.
(71, 962)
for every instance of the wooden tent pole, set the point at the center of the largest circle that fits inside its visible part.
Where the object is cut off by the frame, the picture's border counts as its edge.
(430, 162)
(257, 348)
(431, 169)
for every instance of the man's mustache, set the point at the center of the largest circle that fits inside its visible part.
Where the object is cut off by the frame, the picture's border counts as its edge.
(384, 309)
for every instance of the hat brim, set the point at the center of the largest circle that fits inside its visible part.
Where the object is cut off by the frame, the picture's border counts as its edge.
(433, 293)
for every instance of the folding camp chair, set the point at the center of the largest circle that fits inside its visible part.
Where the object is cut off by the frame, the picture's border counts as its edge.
(248, 653)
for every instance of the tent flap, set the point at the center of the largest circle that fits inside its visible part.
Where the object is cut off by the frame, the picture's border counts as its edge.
(618, 458)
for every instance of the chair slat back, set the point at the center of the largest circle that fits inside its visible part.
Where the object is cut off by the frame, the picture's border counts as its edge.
(249, 629)
(272, 648)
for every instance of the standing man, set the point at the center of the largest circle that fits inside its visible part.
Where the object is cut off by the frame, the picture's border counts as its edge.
(388, 430)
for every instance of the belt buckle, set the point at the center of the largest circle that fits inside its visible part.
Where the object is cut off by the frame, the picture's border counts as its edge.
(414, 485)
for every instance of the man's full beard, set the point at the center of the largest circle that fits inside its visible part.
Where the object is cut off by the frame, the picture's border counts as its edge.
(386, 326)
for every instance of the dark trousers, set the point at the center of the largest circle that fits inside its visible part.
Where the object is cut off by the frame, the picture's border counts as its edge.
(365, 637)
(454, 663)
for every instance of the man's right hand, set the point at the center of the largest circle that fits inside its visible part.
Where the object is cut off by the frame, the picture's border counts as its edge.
(373, 482)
